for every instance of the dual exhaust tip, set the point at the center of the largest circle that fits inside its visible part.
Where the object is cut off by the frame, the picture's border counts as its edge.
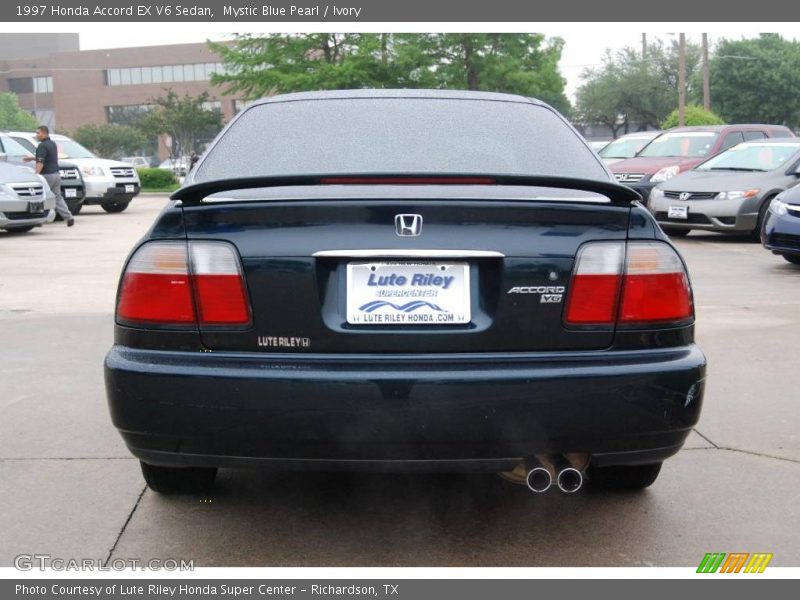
(540, 477)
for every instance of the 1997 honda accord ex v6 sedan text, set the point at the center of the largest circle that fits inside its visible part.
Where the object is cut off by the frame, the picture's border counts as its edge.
(404, 280)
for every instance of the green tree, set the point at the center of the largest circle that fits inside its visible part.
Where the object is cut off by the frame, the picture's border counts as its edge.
(186, 120)
(12, 116)
(694, 115)
(516, 63)
(757, 80)
(108, 140)
(631, 88)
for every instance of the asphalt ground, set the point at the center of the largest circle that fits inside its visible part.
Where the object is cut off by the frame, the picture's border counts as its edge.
(69, 488)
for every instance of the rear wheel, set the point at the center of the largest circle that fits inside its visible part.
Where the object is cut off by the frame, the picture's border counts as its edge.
(115, 206)
(178, 480)
(792, 258)
(634, 477)
(675, 231)
(25, 229)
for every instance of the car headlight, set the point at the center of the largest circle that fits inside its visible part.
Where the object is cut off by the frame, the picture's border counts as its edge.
(656, 193)
(737, 194)
(666, 173)
(92, 171)
(778, 207)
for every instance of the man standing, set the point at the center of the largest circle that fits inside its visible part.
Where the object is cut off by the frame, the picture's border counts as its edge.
(47, 167)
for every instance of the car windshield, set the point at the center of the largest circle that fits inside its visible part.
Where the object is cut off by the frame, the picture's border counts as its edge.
(625, 147)
(72, 149)
(687, 143)
(13, 147)
(752, 157)
(391, 135)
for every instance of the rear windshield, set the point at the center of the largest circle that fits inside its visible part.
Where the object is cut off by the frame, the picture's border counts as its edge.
(399, 135)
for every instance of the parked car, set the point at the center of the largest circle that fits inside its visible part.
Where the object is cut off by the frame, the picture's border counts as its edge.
(137, 162)
(460, 285)
(626, 146)
(109, 183)
(682, 148)
(781, 231)
(729, 193)
(179, 166)
(25, 199)
(71, 181)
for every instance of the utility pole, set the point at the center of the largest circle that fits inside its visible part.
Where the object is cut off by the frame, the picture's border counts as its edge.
(706, 81)
(682, 79)
(644, 45)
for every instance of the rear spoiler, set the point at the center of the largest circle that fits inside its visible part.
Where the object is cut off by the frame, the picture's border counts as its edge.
(195, 193)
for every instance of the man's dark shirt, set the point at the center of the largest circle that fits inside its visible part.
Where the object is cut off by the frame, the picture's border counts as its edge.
(47, 156)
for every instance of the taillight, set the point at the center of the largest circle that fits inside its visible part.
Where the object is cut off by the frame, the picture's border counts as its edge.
(594, 289)
(155, 287)
(656, 288)
(165, 285)
(218, 285)
(643, 284)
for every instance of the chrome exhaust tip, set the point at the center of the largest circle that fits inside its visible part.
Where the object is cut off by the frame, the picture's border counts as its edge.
(539, 480)
(569, 480)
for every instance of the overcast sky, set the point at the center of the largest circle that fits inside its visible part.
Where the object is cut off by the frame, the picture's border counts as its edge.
(585, 43)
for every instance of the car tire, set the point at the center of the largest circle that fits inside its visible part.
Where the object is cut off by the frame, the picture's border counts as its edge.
(792, 258)
(755, 234)
(635, 477)
(675, 231)
(115, 206)
(178, 480)
(25, 229)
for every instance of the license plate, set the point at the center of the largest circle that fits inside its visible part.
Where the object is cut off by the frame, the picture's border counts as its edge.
(130, 188)
(70, 193)
(408, 293)
(678, 212)
(35, 207)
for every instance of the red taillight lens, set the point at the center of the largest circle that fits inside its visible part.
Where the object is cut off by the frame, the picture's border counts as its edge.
(155, 287)
(163, 284)
(656, 287)
(595, 284)
(218, 285)
(643, 284)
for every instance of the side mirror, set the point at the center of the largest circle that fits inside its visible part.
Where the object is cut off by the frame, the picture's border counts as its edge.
(796, 171)
(3, 157)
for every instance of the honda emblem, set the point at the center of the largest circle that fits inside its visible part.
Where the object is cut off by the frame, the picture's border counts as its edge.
(408, 225)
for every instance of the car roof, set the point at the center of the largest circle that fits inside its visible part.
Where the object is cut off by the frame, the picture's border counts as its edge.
(720, 128)
(397, 93)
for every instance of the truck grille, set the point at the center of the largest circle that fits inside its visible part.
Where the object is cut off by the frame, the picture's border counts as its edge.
(629, 177)
(28, 190)
(68, 173)
(691, 195)
(122, 172)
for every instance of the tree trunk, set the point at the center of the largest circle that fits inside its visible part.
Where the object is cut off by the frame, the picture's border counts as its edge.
(472, 74)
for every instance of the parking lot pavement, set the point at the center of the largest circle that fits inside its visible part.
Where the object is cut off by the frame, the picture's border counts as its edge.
(69, 488)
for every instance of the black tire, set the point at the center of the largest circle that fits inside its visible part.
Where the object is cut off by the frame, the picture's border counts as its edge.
(25, 229)
(675, 231)
(792, 258)
(635, 477)
(178, 480)
(755, 235)
(115, 206)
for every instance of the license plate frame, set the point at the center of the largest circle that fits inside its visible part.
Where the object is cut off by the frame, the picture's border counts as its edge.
(130, 188)
(431, 293)
(678, 212)
(70, 193)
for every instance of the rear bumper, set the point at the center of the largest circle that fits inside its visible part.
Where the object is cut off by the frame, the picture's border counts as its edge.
(476, 412)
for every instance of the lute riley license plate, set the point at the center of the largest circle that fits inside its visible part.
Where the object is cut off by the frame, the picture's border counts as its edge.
(408, 293)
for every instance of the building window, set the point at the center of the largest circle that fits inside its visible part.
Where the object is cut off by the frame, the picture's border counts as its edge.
(126, 114)
(43, 85)
(160, 74)
(31, 85)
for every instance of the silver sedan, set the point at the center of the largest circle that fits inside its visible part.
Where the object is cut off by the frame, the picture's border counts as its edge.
(25, 199)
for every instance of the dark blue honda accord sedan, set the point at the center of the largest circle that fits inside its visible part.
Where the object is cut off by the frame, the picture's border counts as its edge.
(781, 232)
(403, 280)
